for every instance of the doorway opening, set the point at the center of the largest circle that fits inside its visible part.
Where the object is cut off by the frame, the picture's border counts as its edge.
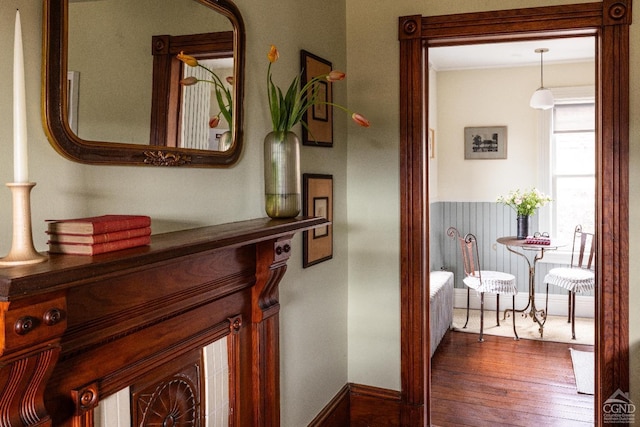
(488, 86)
(609, 23)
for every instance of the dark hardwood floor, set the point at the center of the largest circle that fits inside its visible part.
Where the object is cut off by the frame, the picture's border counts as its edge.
(503, 382)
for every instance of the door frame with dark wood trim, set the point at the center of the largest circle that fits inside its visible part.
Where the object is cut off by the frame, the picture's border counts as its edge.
(608, 21)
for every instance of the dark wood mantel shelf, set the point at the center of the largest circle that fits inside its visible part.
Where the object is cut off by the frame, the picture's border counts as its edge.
(76, 329)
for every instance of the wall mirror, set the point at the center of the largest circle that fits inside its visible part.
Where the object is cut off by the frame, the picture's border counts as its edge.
(111, 90)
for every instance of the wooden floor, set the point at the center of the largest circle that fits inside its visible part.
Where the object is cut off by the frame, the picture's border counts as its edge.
(503, 382)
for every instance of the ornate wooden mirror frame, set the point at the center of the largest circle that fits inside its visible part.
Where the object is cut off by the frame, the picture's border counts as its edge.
(609, 22)
(67, 143)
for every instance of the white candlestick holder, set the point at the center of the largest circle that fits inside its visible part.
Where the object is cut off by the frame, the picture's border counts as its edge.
(22, 250)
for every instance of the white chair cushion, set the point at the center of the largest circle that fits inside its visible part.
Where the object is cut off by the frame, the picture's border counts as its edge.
(574, 279)
(495, 282)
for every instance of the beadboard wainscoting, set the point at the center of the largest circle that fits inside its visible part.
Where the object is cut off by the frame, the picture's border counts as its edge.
(487, 221)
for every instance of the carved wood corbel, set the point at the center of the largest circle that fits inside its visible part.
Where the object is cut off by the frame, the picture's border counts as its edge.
(271, 264)
(30, 343)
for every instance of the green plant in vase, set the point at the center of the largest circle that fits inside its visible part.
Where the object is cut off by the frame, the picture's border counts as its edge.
(282, 146)
(526, 204)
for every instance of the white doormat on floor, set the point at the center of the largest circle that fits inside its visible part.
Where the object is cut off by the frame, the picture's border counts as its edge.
(583, 370)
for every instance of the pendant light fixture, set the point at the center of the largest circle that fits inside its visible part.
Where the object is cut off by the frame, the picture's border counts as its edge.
(542, 99)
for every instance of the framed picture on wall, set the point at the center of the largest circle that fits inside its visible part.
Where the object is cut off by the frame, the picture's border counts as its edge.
(485, 142)
(319, 118)
(318, 202)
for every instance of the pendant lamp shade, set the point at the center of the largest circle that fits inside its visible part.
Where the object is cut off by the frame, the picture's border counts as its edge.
(542, 99)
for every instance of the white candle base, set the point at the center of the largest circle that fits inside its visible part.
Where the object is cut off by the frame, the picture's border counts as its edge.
(22, 250)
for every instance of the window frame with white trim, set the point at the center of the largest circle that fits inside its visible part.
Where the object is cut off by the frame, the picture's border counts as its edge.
(572, 137)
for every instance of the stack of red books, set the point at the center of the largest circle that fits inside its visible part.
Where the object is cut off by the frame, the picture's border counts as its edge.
(98, 234)
(531, 240)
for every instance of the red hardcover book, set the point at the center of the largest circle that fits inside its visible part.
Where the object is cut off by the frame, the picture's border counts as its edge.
(98, 248)
(537, 241)
(99, 238)
(98, 224)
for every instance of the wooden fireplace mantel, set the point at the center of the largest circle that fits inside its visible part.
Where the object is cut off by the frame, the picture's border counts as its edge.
(76, 329)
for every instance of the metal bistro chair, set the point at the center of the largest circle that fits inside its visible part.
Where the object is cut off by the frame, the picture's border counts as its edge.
(495, 282)
(580, 276)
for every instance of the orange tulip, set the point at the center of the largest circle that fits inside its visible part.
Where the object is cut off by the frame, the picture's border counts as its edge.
(214, 122)
(336, 76)
(229, 79)
(187, 59)
(287, 107)
(361, 120)
(188, 81)
(273, 54)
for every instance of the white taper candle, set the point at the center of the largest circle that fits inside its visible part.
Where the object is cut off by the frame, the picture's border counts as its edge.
(20, 168)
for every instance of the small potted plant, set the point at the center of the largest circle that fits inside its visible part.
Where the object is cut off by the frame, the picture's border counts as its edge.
(525, 203)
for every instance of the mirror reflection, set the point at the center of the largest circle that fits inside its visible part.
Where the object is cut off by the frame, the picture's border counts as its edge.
(113, 76)
(207, 113)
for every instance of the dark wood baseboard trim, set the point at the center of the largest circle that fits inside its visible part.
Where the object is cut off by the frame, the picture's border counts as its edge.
(336, 413)
(374, 407)
(358, 405)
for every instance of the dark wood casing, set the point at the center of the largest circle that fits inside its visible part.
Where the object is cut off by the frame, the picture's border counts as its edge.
(608, 22)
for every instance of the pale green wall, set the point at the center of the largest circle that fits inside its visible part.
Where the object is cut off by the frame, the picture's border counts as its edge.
(313, 337)
(373, 191)
(313, 301)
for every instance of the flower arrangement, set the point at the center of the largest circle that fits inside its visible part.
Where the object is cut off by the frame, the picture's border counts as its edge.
(223, 94)
(287, 109)
(525, 203)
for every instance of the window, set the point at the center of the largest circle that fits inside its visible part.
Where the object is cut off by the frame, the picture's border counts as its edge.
(567, 150)
(572, 168)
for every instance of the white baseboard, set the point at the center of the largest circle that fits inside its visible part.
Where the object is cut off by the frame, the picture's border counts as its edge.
(585, 305)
